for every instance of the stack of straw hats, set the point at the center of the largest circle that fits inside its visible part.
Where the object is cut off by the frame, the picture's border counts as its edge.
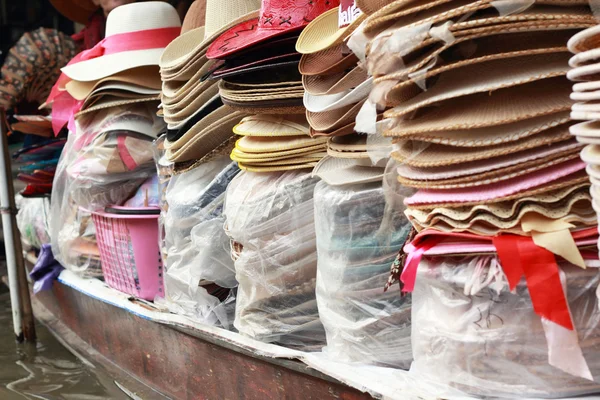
(258, 68)
(114, 77)
(586, 94)
(199, 123)
(336, 87)
(480, 115)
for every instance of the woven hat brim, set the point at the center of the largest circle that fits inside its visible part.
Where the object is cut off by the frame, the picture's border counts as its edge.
(143, 76)
(280, 168)
(340, 172)
(76, 11)
(117, 103)
(267, 125)
(323, 32)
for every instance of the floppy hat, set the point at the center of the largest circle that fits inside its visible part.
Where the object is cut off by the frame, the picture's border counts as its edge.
(330, 28)
(492, 135)
(76, 10)
(487, 77)
(553, 177)
(136, 35)
(272, 125)
(220, 16)
(276, 17)
(502, 107)
(423, 154)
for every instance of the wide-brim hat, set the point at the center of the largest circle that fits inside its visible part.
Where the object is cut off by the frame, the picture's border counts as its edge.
(272, 125)
(143, 77)
(220, 17)
(585, 40)
(135, 18)
(276, 18)
(346, 171)
(329, 102)
(326, 30)
(194, 17)
(76, 10)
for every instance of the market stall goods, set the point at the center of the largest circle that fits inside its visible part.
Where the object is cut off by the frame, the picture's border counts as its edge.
(472, 332)
(363, 323)
(270, 219)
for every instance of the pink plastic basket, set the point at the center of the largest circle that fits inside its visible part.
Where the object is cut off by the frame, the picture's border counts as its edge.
(129, 251)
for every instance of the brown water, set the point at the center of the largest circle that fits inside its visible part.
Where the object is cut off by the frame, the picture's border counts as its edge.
(46, 370)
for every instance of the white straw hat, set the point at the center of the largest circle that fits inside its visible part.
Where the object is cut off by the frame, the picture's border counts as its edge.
(129, 18)
(329, 102)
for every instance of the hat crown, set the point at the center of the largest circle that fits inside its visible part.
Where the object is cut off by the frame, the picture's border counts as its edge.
(286, 14)
(220, 13)
(142, 16)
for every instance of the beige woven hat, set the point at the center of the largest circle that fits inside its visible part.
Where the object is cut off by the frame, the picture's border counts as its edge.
(194, 18)
(129, 18)
(220, 16)
(481, 78)
(175, 90)
(146, 76)
(490, 135)
(261, 144)
(330, 28)
(256, 158)
(182, 111)
(272, 125)
(205, 138)
(422, 154)
(346, 171)
(200, 126)
(504, 106)
(112, 101)
(343, 131)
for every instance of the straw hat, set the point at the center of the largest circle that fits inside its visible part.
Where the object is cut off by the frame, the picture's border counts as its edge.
(194, 18)
(331, 102)
(130, 18)
(146, 76)
(76, 10)
(272, 125)
(220, 16)
(330, 28)
(276, 18)
(346, 171)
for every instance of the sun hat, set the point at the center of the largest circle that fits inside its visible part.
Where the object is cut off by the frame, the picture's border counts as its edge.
(183, 110)
(276, 17)
(332, 60)
(330, 28)
(112, 101)
(261, 144)
(76, 10)
(292, 159)
(496, 175)
(475, 167)
(136, 35)
(334, 83)
(194, 17)
(279, 168)
(220, 16)
(586, 96)
(331, 102)
(253, 158)
(504, 106)
(335, 119)
(423, 154)
(272, 125)
(384, 62)
(205, 139)
(487, 77)
(587, 128)
(492, 135)
(345, 171)
(176, 142)
(179, 128)
(585, 40)
(544, 180)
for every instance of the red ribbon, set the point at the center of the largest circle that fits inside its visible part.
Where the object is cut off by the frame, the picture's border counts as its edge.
(520, 255)
(65, 106)
(414, 254)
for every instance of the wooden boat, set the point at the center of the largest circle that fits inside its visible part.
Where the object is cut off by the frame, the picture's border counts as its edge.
(168, 356)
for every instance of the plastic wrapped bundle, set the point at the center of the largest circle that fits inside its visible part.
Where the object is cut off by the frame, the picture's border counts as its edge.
(363, 323)
(199, 269)
(271, 219)
(33, 220)
(490, 342)
(102, 164)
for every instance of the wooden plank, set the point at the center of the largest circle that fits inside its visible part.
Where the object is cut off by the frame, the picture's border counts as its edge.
(183, 366)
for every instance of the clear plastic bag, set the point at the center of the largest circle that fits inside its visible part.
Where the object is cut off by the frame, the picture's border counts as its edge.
(198, 251)
(490, 342)
(270, 218)
(363, 324)
(33, 220)
(102, 164)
